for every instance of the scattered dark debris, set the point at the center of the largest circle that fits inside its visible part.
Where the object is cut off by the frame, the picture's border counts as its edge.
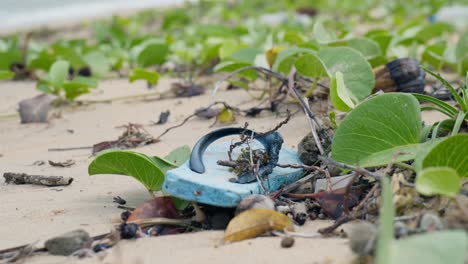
(307, 10)
(308, 151)
(119, 200)
(125, 215)
(23, 178)
(206, 112)
(134, 136)
(38, 163)
(36, 109)
(17, 254)
(129, 231)
(163, 117)
(85, 71)
(62, 164)
(187, 90)
(287, 242)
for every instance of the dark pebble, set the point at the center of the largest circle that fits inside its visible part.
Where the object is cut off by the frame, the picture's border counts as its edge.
(287, 242)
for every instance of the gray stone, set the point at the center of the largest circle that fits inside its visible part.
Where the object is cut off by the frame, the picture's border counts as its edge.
(36, 109)
(68, 243)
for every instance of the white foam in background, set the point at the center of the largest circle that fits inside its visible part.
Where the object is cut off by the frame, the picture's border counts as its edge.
(19, 14)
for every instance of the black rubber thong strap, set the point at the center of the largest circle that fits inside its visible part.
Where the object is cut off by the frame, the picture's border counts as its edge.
(196, 158)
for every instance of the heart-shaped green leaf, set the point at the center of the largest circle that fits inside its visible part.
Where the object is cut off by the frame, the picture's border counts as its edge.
(379, 129)
(151, 77)
(129, 163)
(150, 171)
(431, 248)
(5, 75)
(438, 180)
(58, 73)
(340, 97)
(311, 66)
(451, 152)
(357, 72)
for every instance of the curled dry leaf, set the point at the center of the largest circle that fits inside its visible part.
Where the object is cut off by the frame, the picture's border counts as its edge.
(63, 164)
(159, 207)
(255, 222)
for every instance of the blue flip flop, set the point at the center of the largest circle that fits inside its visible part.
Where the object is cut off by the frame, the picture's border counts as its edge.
(202, 180)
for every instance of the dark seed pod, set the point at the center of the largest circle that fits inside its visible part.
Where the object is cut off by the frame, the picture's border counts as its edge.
(128, 231)
(85, 71)
(401, 75)
(308, 151)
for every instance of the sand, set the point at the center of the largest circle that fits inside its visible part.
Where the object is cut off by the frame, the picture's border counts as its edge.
(35, 213)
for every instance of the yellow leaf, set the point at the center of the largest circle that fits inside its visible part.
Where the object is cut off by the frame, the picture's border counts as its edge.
(271, 55)
(254, 222)
(226, 116)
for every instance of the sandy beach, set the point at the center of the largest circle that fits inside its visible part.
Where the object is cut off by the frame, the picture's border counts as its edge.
(35, 213)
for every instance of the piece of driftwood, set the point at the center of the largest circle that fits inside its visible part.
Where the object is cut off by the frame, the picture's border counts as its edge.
(23, 178)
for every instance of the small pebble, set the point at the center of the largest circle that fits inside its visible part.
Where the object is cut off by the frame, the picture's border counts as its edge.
(68, 243)
(430, 222)
(255, 201)
(287, 242)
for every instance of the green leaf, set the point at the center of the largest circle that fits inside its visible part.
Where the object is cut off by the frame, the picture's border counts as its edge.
(78, 86)
(339, 95)
(153, 53)
(151, 77)
(447, 109)
(129, 163)
(357, 72)
(6, 75)
(43, 60)
(383, 40)
(433, 30)
(246, 55)
(311, 66)
(461, 49)
(434, 54)
(58, 73)
(69, 54)
(322, 35)
(286, 58)
(431, 248)
(451, 89)
(9, 57)
(179, 155)
(377, 129)
(451, 152)
(384, 250)
(230, 66)
(438, 180)
(98, 63)
(367, 47)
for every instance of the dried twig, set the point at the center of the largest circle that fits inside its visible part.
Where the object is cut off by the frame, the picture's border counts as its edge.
(23, 178)
(346, 195)
(309, 168)
(362, 171)
(244, 138)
